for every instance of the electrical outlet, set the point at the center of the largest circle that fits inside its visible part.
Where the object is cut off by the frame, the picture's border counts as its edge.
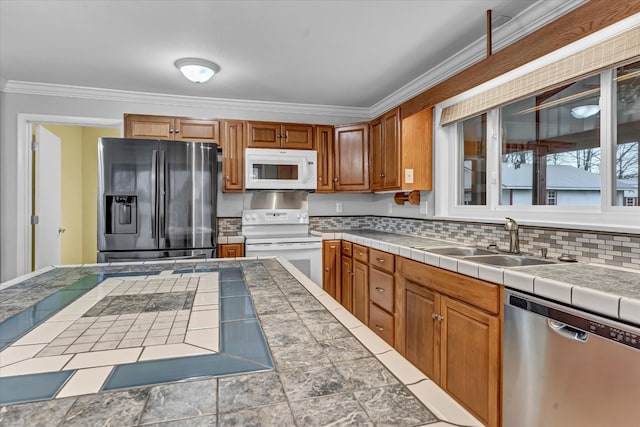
(338, 207)
(390, 208)
(408, 176)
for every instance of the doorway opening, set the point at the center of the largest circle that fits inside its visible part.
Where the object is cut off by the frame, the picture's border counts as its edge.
(58, 188)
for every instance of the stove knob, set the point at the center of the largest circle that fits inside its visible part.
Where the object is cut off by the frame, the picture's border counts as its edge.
(247, 217)
(253, 217)
(299, 216)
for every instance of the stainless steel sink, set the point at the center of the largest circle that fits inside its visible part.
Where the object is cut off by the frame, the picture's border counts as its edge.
(508, 260)
(460, 251)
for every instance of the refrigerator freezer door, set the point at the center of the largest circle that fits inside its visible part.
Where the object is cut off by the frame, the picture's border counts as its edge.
(187, 216)
(126, 195)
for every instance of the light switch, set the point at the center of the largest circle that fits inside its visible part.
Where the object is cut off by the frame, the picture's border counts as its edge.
(338, 207)
(408, 176)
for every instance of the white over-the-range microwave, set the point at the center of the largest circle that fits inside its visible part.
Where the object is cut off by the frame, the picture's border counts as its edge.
(274, 169)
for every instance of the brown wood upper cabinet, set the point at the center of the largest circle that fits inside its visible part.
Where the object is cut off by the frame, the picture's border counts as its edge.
(324, 146)
(386, 152)
(233, 156)
(171, 128)
(280, 135)
(416, 171)
(351, 158)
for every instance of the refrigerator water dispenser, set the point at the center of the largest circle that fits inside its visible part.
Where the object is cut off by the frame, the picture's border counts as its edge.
(122, 214)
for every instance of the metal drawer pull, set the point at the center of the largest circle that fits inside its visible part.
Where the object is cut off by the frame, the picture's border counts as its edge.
(380, 260)
(379, 289)
(380, 328)
(360, 253)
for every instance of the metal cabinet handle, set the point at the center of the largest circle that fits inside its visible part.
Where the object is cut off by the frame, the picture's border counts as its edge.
(437, 316)
(360, 253)
(380, 260)
(380, 328)
(335, 179)
(227, 178)
(319, 178)
(379, 289)
(326, 269)
(170, 130)
(177, 130)
(381, 175)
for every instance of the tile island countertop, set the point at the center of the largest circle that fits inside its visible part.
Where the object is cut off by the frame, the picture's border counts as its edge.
(324, 367)
(611, 291)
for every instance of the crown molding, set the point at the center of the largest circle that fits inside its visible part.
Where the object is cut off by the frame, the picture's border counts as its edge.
(531, 19)
(68, 91)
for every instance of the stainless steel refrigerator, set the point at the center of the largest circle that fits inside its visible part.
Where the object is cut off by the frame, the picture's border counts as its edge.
(156, 199)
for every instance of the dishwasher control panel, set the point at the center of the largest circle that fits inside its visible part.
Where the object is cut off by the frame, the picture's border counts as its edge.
(612, 331)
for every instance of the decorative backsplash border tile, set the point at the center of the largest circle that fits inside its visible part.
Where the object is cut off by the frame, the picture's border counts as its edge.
(229, 226)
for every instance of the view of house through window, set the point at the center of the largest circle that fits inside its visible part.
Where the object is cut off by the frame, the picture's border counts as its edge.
(474, 159)
(551, 147)
(627, 161)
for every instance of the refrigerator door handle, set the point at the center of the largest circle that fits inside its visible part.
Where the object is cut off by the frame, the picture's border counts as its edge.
(161, 195)
(154, 206)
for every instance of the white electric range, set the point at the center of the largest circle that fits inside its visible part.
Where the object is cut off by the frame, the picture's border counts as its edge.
(284, 233)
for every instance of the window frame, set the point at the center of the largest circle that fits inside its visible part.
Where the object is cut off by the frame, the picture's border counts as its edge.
(606, 216)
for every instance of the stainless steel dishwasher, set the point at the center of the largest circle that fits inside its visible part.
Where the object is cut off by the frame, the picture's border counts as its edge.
(563, 367)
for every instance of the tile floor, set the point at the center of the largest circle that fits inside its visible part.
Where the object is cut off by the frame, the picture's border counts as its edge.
(321, 365)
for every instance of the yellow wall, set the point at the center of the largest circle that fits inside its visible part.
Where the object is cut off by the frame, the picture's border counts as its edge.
(90, 189)
(80, 190)
(71, 192)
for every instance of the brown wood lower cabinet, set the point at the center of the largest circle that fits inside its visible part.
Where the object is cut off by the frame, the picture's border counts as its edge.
(361, 291)
(331, 267)
(231, 250)
(449, 326)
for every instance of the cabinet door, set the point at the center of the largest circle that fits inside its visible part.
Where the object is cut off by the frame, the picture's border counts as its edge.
(197, 130)
(231, 250)
(264, 135)
(148, 127)
(391, 151)
(331, 266)
(346, 283)
(297, 137)
(421, 330)
(417, 149)
(233, 156)
(361, 291)
(377, 155)
(470, 357)
(324, 146)
(351, 149)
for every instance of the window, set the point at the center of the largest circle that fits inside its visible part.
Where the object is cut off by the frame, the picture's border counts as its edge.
(552, 140)
(627, 89)
(630, 201)
(474, 160)
(551, 197)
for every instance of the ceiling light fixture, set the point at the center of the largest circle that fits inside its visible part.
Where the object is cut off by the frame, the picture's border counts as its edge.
(197, 70)
(585, 111)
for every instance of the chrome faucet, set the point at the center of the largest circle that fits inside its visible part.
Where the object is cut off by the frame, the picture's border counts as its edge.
(514, 239)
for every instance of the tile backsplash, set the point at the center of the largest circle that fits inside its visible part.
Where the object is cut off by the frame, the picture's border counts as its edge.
(621, 250)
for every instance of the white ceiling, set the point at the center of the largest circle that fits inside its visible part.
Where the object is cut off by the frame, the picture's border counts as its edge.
(350, 53)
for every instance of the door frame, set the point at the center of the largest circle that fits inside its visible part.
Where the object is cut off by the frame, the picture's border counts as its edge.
(24, 174)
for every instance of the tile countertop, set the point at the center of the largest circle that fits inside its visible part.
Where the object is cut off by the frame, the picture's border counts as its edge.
(224, 239)
(329, 368)
(611, 291)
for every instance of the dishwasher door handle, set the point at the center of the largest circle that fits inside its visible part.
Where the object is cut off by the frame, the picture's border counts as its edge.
(567, 331)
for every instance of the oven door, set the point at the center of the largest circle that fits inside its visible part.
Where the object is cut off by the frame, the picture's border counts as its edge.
(305, 256)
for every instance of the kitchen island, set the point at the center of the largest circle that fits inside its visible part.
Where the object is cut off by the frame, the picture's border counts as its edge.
(287, 353)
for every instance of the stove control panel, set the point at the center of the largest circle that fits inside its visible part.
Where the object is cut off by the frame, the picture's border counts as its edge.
(274, 216)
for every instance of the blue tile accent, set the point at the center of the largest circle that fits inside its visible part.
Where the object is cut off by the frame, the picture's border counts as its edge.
(236, 308)
(25, 388)
(245, 339)
(161, 371)
(233, 289)
(131, 273)
(231, 274)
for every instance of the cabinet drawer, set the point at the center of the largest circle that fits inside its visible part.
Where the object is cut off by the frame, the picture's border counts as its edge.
(346, 248)
(381, 323)
(382, 260)
(381, 288)
(361, 253)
